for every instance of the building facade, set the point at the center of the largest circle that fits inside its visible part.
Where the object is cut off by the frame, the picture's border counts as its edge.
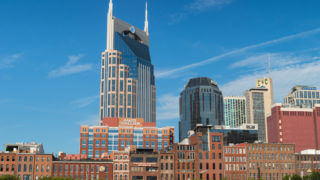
(119, 133)
(258, 106)
(26, 161)
(255, 161)
(201, 102)
(121, 166)
(144, 165)
(299, 126)
(244, 133)
(307, 161)
(234, 111)
(200, 156)
(82, 169)
(302, 96)
(127, 88)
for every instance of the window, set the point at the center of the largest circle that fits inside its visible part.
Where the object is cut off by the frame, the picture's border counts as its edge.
(113, 71)
(30, 168)
(121, 85)
(216, 139)
(129, 100)
(129, 88)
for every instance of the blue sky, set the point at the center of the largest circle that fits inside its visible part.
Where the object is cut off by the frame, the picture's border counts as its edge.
(50, 55)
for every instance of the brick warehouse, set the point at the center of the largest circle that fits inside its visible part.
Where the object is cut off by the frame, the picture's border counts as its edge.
(299, 126)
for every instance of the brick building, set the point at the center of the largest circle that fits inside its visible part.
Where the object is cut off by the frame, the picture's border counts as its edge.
(307, 161)
(82, 169)
(121, 166)
(144, 165)
(235, 162)
(166, 165)
(199, 156)
(253, 161)
(119, 133)
(26, 161)
(299, 126)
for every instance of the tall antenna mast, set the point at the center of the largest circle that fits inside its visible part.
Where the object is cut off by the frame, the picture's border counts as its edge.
(269, 63)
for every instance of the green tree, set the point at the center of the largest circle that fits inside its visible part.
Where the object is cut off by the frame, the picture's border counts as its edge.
(8, 177)
(296, 177)
(315, 175)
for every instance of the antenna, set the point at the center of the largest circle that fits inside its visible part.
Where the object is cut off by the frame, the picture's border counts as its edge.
(269, 63)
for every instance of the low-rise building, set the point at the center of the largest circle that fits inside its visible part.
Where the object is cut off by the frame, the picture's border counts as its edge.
(82, 168)
(307, 161)
(26, 161)
(144, 165)
(259, 160)
(166, 164)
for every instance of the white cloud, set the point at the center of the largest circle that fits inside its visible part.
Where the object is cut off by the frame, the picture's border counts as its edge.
(83, 102)
(70, 67)
(278, 60)
(283, 80)
(9, 61)
(92, 120)
(200, 5)
(167, 73)
(168, 107)
(196, 6)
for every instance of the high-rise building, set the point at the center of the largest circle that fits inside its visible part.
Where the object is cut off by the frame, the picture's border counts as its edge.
(299, 126)
(234, 110)
(127, 77)
(201, 102)
(302, 96)
(258, 105)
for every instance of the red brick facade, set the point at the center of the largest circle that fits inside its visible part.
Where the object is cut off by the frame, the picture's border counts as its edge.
(299, 126)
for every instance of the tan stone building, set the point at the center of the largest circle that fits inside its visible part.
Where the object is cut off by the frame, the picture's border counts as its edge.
(259, 101)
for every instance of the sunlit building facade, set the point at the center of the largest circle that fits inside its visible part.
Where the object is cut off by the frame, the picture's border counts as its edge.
(118, 133)
(127, 75)
(302, 96)
(234, 111)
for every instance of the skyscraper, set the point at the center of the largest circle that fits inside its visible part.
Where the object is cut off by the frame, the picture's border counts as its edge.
(201, 102)
(258, 105)
(234, 111)
(127, 75)
(302, 96)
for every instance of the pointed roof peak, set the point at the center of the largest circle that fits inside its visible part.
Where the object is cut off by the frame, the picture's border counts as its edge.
(146, 23)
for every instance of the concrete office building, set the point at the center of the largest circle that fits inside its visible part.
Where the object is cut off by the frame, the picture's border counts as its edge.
(127, 77)
(234, 111)
(258, 105)
(302, 96)
(201, 102)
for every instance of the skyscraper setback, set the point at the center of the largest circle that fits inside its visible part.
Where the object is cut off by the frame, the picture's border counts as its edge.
(127, 75)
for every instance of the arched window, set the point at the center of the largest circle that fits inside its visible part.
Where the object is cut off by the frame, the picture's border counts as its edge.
(116, 168)
(125, 167)
(30, 168)
(30, 159)
(120, 166)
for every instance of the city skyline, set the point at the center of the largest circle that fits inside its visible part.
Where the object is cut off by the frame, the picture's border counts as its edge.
(45, 91)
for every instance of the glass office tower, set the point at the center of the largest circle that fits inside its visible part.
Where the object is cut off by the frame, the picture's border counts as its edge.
(201, 102)
(302, 96)
(130, 45)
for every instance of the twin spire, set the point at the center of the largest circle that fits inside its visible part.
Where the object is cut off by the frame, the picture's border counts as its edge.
(146, 23)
